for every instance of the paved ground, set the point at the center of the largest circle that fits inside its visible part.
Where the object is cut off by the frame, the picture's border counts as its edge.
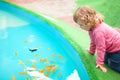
(62, 9)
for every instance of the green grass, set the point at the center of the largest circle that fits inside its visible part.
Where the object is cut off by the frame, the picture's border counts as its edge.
(109, 8)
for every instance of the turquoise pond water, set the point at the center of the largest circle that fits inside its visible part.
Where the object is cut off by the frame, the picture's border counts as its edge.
(16, 47)
(52, 55)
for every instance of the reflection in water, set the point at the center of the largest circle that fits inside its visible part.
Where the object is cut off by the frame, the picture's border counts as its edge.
(3, 34)
(3, 25)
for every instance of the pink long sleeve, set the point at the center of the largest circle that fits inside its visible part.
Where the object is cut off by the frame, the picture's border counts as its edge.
(100, 47)
(104, 39)
(92, 43)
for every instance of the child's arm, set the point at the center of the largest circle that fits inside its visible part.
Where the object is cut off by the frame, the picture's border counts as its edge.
(88, 50)
(92, 48)
(100, 47)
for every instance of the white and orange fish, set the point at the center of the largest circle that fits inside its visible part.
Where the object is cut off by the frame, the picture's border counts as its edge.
(36, 74)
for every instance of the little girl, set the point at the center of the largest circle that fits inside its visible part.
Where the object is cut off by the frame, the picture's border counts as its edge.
(103, 38)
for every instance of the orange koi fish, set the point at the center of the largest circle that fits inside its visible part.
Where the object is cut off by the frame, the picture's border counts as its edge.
(22, 73)
(16, 53)
(13, 77)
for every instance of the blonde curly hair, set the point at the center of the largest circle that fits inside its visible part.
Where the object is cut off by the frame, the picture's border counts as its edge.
(87, 15)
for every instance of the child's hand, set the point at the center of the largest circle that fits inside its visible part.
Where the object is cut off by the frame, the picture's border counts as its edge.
(88, 50)
(101, 67)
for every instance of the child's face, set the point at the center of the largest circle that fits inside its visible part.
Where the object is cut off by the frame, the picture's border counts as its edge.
(84, 26)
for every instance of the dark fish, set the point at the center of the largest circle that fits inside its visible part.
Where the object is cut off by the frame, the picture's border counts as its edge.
(33, 49)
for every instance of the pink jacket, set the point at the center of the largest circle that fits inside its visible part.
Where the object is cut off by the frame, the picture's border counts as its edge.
(104, 38)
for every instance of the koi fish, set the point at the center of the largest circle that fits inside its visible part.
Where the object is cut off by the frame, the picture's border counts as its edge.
(26, 41)
(16, 53)
(13, 77)
(22, 73)
(36, 74)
